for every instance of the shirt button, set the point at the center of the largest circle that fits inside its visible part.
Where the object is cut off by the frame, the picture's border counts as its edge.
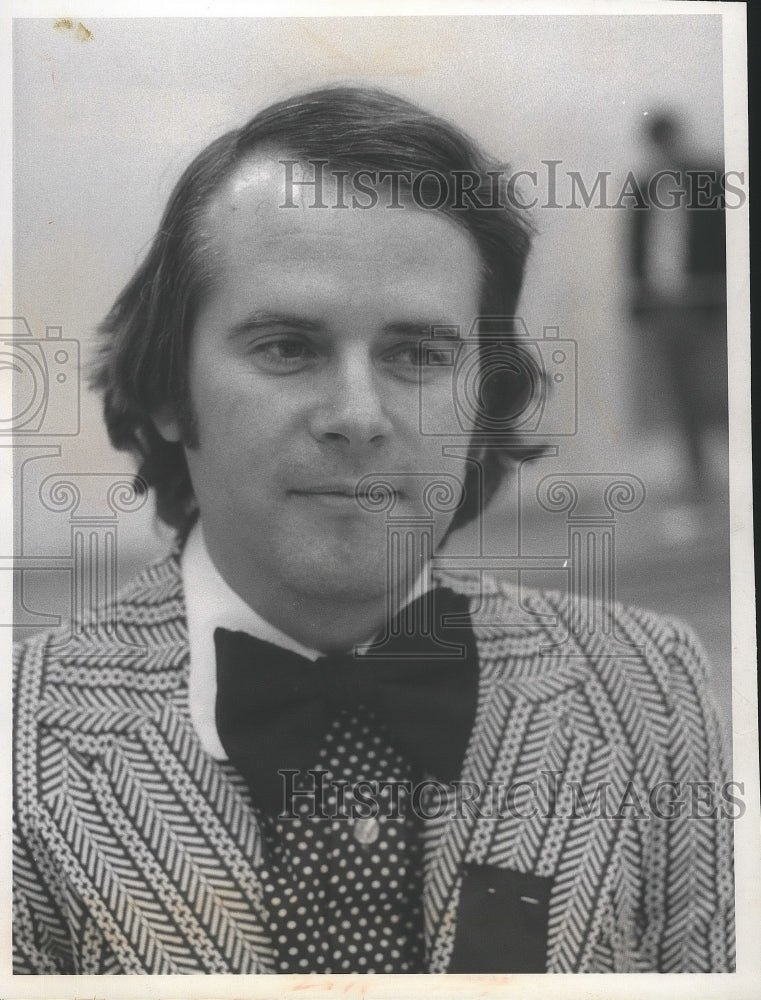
(366, 830)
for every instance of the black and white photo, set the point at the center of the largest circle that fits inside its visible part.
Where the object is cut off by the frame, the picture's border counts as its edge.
(378, 418)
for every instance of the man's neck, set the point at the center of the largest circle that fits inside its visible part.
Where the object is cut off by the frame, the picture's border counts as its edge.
(323, 623)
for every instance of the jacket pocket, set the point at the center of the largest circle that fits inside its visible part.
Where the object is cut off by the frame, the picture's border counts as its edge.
(502, 921)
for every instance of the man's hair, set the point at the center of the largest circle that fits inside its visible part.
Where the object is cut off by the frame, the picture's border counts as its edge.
(143, 364)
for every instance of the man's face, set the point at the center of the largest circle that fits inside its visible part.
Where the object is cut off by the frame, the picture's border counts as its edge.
(304, 377)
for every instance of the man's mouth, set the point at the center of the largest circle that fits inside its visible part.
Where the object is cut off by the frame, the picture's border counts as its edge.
(339, 493)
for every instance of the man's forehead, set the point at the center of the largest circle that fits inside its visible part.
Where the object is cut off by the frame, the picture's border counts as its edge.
(257, 172)
(248, 211)
(263, 181)
(271, 197)
(257, 182)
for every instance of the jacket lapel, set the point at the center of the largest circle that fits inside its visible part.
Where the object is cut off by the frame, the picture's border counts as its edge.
(504, 889)
(185, 822)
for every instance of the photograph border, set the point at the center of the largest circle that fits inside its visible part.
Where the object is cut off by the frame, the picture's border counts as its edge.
(745, 981)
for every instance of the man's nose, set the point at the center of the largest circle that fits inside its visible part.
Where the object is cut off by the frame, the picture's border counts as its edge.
(351, 409)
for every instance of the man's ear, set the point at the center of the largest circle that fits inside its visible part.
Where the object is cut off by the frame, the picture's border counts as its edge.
(167, 424)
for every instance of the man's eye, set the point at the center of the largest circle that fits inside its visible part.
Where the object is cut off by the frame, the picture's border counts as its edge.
(421, 357)
(409, 355)
(282, 354)
(439, 356)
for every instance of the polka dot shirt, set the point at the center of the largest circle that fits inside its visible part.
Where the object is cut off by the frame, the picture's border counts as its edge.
(344, 889)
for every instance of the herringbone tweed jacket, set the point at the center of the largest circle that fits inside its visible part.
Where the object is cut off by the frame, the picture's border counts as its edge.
(136, 852)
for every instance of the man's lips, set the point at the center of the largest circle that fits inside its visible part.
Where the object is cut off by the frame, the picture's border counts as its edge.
(333, 489)
(343, 493)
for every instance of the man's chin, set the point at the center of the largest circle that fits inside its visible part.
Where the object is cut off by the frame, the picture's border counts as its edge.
(345, 584)
(346, 575)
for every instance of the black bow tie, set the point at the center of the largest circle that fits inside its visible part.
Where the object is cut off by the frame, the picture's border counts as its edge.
(274, 707)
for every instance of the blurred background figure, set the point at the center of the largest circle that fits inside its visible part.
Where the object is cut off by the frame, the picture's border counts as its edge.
(678, 305)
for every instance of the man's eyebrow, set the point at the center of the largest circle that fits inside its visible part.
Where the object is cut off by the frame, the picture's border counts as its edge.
(263, 320)
(421, 329)
(260, 320)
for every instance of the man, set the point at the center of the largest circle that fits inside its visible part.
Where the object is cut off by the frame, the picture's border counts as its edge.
(284, 756)
(678, 269)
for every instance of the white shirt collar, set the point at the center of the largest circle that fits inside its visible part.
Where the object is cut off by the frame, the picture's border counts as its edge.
(210, 602)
